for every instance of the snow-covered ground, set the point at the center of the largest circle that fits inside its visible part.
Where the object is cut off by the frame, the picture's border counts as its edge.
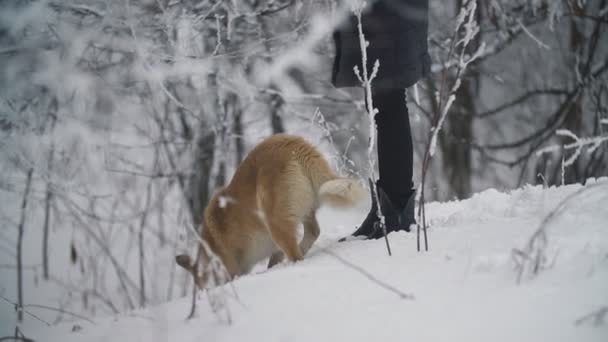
(464, 288)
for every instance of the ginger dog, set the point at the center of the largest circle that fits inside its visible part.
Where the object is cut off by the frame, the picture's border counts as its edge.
(280, 184)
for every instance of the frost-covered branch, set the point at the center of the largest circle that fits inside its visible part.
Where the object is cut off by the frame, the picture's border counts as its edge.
(470, 31)
(215, 272)
(366, 78)
(344, 164)
(465, 30)
(589, 144)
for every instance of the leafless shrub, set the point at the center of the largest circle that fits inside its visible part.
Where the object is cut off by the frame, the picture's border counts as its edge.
(534, 257)
(458, 59)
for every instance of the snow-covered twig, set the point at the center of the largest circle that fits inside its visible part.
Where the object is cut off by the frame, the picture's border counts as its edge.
(366, 81)
(218, 38)
(343, 163)
(536, 39)
(214, 267)
(471, 30)
(416, 95)
(591, 144)
(81, 9)
(153, 77)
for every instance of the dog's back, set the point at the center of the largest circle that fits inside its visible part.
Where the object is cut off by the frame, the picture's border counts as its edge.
(280, 184)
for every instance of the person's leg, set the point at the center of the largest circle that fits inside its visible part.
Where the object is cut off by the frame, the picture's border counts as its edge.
(395, 150)
(395, 163)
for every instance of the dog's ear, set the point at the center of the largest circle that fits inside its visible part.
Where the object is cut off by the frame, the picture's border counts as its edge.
(184, 261)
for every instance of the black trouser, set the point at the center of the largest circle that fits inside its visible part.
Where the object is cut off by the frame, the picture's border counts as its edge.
(395, 150)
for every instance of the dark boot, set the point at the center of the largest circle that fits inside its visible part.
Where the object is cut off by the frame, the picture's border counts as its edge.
(369, 224)
(396, 218)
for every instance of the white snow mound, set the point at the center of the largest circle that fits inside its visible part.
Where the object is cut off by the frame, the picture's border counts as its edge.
(464, 288)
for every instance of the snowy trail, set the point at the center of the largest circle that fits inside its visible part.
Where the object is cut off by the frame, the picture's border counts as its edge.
(465, 287)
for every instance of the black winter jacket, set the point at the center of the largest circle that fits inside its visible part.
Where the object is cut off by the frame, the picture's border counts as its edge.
(397, 31)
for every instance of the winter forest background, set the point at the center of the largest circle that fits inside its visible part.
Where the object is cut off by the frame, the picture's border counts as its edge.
(119, 118)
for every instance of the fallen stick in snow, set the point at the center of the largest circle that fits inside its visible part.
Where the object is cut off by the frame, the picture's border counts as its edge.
(369, 276)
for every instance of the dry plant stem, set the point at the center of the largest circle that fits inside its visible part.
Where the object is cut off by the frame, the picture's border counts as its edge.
(194, 285)
(343, 163)
(427, 153)
(366, 80)
(172, 273)
(369, 276)
(465, 19)
(15, 338)
(597, 317)
(61, 311)
(218, 272)
(533, 255)
(93, 292)
(19, 306)
(18, 336)
(121, 274)
(27, 312)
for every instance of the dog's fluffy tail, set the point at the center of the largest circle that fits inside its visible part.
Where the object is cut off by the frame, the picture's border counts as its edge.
(331, 189)
(341, 192)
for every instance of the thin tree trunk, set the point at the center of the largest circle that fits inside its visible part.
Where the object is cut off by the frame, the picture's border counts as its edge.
(20, 246)
(49, 194)
(45, 232)
(220, 178)
(198, 192)
(275, 101)
(573, 121)
(142, 226)
(238, 137)
(237, 128)
(276, 105)
(455, 139)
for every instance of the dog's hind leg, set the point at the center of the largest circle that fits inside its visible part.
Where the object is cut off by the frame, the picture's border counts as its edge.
(311, 232)
(275, 258)
(283, 232)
